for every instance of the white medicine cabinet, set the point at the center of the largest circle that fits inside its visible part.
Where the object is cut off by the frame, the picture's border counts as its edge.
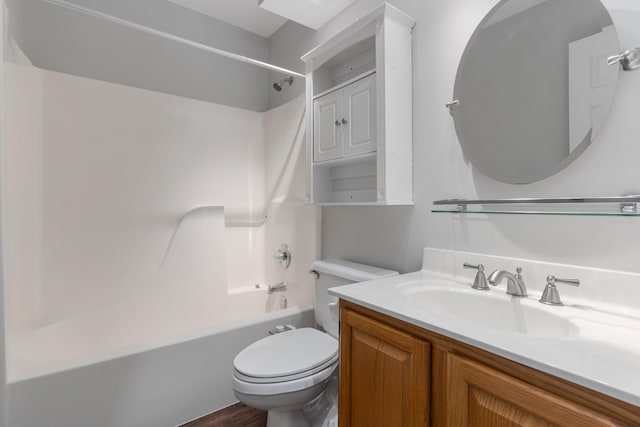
(359, 138)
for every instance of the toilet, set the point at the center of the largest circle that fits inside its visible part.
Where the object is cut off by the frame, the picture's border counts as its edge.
(286, 371)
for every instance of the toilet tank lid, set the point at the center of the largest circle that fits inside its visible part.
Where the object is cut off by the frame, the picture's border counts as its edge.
(351, 270)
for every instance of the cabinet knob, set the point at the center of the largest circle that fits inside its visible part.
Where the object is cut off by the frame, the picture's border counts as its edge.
(345, 121)
(338, 123)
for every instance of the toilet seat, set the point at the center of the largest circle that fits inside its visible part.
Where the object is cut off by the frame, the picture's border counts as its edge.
(285, 362)
(286, 355)
(270, 389)
(283, 378)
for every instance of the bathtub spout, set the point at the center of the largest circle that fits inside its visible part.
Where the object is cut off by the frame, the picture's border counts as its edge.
(279, 287)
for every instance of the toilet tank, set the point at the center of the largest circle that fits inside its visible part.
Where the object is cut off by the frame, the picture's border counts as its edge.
(337, 272)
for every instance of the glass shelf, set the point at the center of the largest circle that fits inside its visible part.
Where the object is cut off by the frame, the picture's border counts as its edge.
(618, 206)
(559, 213)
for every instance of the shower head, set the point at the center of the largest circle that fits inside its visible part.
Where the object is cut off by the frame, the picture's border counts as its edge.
(279, 84)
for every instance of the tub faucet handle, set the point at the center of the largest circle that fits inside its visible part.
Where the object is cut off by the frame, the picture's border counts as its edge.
(283, 256)
(480, 282)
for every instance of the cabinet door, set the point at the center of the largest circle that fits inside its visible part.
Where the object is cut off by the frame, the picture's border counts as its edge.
(384, 375)
(328, 127)
(360, 117)
(478, 396)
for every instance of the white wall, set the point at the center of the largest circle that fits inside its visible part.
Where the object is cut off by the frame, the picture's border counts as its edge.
(286, 46)
(12, 21)
(393, 237)
(3, 366)
(62, 40)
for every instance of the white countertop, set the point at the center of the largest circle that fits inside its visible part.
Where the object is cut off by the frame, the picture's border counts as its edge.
(603, 356)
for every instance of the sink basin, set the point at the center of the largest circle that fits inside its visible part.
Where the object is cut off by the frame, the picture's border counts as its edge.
(491, 310)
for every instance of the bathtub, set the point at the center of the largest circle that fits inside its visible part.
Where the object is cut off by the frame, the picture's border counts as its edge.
(126, 367)
(118, 303)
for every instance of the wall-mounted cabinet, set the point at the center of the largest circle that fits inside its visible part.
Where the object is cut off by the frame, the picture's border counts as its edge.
(344, 121)
(359, 95)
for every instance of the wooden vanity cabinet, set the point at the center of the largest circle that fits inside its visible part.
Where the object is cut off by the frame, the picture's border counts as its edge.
(476, 395)
(396, 374)
(384, 374)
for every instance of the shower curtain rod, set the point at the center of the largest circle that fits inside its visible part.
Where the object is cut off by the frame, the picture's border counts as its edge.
(144, 29)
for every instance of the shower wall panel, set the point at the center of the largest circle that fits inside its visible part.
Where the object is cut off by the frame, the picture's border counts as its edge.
(121, 167)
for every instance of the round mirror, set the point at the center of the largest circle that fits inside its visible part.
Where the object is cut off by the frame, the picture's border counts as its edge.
(533, 86)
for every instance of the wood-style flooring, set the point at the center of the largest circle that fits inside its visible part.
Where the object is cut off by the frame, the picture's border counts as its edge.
(238, 415)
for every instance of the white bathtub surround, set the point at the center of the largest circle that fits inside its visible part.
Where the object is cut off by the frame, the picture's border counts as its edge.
(177, 302)
(181, 303)
(290, 220)
(111, 172)
(22, 170)
(118, 209)
(601, 352)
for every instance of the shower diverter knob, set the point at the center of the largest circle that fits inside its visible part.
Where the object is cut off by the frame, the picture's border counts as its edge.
(283, 256)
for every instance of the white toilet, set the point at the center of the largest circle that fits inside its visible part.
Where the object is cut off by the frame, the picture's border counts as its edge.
(283, 372)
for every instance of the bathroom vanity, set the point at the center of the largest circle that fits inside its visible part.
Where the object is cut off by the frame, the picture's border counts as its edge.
(394, 373)
(406, 362)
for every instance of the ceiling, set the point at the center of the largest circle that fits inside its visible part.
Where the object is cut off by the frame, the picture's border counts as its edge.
(245, 14)
(265, 17)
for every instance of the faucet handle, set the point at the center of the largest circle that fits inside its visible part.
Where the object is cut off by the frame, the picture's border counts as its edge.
(550, 295)
(283, 256)
(572, 282)
(480, 282)
(475, 267)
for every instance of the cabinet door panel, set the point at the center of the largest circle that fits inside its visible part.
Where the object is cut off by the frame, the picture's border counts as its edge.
(327, 135)
(478, 396)
(384, 375)
(360, 114)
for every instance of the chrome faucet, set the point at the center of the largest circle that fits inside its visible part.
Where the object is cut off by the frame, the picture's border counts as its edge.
(515, 283)
(278, 287)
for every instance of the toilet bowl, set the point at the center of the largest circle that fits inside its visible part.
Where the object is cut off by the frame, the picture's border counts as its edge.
(284, 372)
